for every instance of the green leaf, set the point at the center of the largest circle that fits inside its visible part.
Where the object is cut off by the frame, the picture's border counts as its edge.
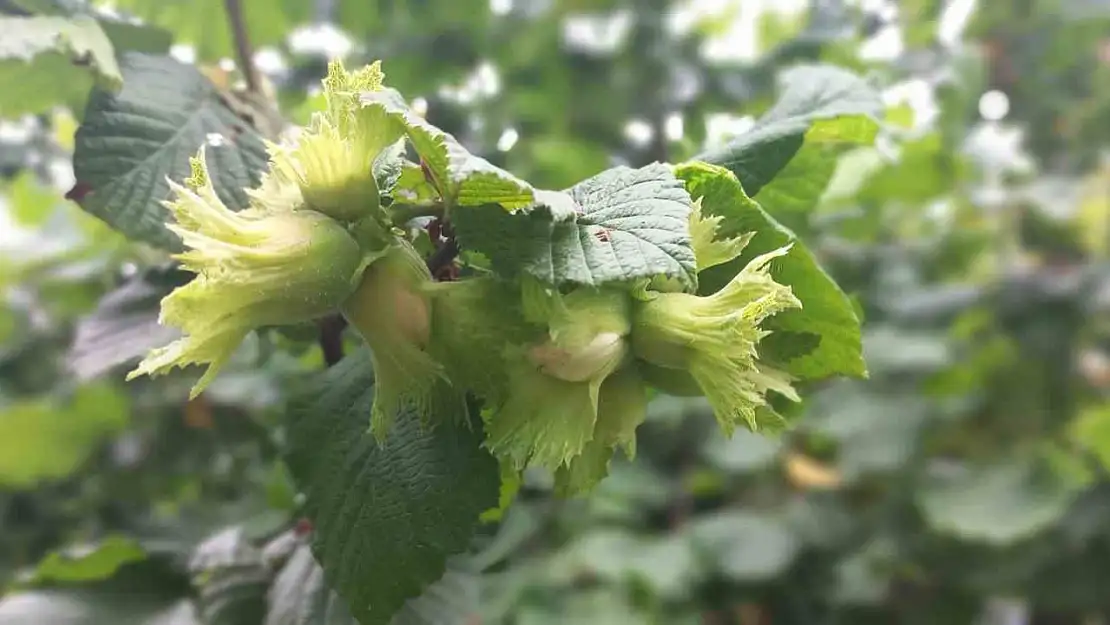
(822, 338)
(203, 23)
(1090, 429)
(460, 178)
(744, 546)
(301, 596)
(132, 141)
(88, 563)
(621, 225)
(32, 203)
(45, 61)
(42, 440)
(999, 504)
(124, 326)
(386, 516)
(818, 105)
(799, 186)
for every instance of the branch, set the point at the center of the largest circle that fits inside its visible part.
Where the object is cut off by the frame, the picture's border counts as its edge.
(234, 10)
(331, 338)
(443, 258)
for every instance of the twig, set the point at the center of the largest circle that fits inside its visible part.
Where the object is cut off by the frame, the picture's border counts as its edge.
(331, 338)
(443, 257)
(234, 10)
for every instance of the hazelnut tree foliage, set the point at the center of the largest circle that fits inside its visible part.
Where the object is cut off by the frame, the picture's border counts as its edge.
(497, 326)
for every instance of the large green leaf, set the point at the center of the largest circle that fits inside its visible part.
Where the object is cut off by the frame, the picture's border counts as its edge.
(387, 516)
(131, 141)
(45, 439)
(46, 61)
(823, 337)
(818, 106)
(620, 225)
(998, 504)
(301, 596)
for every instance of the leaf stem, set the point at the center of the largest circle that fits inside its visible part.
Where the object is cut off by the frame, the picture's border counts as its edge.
(243, 49)
(331, 338)
(441, 262)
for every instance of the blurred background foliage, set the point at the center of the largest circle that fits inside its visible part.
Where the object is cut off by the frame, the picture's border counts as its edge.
(964, 482)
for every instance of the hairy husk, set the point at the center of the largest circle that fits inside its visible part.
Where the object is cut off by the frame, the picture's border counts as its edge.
(254, 268)
(715, 339)
(391, 311)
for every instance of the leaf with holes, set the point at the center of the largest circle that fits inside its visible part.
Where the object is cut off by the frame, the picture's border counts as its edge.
(823, 337)
(819, 106)
(388, 516)
(47, 60)
(621, 225)
(131, 141)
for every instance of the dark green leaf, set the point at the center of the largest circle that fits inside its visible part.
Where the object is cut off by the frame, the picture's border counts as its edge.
(45, 61)
(620, 225)
(124, 326)
(818, 105)
(130, 142)
(826, 311)
(386, 516)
